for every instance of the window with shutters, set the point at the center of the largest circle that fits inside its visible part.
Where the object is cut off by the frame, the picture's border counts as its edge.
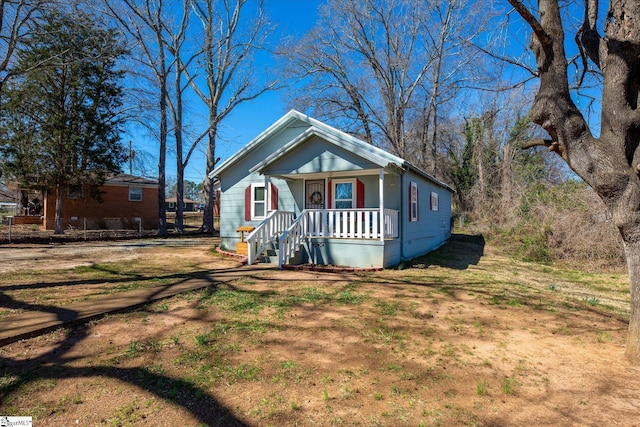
(258, 201)
(255, 201)
(344, 196)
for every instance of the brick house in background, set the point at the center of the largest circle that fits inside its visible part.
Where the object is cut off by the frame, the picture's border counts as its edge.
(126, 200)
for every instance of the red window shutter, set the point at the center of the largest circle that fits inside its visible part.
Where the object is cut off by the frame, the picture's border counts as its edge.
(409, 198)
(247, 203)
(216, 204)
(417, 203)
(329, 192)
(359, 194)
(274, 197)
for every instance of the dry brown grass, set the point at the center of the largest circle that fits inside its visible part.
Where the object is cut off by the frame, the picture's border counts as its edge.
(567, 224)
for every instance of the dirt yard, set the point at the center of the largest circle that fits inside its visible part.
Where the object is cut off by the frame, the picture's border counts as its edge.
(464, 337)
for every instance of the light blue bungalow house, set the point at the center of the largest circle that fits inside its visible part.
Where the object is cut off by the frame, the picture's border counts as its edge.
(321, 196)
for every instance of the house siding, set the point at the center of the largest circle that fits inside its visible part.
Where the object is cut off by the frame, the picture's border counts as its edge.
(235, 180)
(115, 211)
(433, 227)
(352, 253)
(345, 252)
(320, 156)
(232, 205)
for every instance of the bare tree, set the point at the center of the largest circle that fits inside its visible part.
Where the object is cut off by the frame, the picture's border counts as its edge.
(384, 66)
(610, 162)
(449, 37)
(145, 23)
(175, 41)
(231, 38)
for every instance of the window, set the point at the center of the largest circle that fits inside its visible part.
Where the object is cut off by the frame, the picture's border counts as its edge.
(74, 192)
(413, 202)
(434, 201)
(344, 197)
(255, 201)
(135, 194)
(258, 201)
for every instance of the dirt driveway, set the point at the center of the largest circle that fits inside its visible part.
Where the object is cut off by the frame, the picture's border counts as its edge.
(16, 257)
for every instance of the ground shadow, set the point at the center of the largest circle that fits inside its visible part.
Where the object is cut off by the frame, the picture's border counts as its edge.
(460, 251)
(55, 365)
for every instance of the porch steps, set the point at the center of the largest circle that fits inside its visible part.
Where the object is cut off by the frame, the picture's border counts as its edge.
(270, 254)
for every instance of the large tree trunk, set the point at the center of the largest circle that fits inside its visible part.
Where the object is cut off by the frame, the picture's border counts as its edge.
(59, 216)
(610, 163)
(162, 162)
(632, 250)
(207, 217)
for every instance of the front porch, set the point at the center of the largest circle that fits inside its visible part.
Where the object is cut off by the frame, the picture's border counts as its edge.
(352, 237)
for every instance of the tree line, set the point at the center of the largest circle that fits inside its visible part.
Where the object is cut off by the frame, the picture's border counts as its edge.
(391, 72)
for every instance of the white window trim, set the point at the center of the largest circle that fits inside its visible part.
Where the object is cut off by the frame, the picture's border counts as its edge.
(253, 201)
(137, 189)
(413, 215)
(354, 188)
(435, 201)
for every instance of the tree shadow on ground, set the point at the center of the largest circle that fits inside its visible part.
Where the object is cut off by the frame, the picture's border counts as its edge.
(55, 364)
(461, 251)
(16, 374)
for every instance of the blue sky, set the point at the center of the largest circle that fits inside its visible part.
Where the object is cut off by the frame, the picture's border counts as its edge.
(293, 18)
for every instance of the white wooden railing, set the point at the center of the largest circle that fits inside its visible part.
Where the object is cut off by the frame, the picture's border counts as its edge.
(337, 223)
(274, 224)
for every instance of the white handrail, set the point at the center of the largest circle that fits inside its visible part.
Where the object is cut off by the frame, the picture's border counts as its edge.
(290, 240)
(274, 224)
(336, 223)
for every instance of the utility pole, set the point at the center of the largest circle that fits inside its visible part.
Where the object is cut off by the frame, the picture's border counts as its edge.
(131, 156)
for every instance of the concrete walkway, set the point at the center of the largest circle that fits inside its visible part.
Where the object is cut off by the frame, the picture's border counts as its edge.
(38, 320)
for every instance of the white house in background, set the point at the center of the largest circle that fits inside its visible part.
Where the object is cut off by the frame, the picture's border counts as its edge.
(324, 197)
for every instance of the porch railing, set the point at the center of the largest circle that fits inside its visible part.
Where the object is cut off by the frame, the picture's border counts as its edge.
(337, 223)
(274, 224)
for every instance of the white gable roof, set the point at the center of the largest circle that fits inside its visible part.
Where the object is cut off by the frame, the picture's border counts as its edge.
(333, 138)
(330, 134)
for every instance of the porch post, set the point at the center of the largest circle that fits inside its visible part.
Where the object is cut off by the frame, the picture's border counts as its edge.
(381, 192)
(267, 196)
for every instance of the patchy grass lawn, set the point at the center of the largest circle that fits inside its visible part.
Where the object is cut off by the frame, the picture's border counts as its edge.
(464, 336)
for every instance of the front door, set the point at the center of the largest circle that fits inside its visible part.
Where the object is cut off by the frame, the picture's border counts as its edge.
(314, 194)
